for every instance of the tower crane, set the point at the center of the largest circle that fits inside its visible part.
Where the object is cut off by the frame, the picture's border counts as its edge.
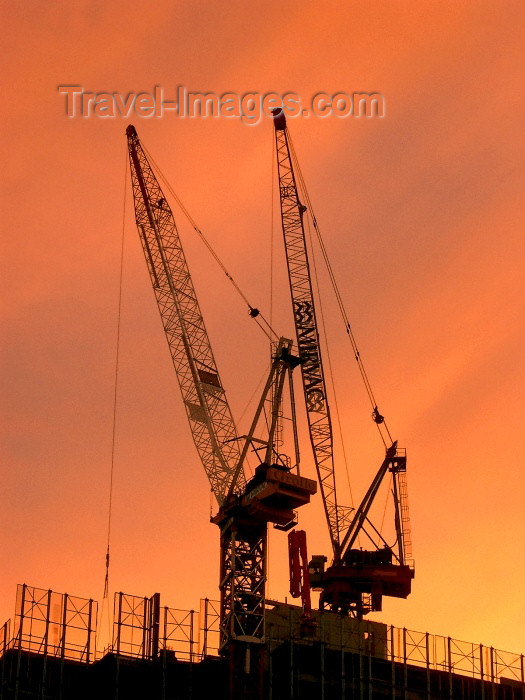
(245, 506)
(357, 578)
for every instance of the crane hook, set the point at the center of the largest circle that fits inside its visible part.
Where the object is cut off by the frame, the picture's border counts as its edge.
(377, 417)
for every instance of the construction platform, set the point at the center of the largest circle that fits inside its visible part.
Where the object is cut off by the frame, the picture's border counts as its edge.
(50, 652)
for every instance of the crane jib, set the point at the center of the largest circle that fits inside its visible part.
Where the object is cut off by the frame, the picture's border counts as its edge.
(210, 418)
(312, 372)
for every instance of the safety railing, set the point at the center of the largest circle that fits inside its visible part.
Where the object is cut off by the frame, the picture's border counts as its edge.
(64, 626)
(53, 624)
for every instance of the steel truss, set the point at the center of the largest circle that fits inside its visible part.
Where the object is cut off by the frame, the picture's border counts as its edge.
(136, 625)
(243, 579)
(422, 664)
(208, 412)
(314, 385)
(242, 588)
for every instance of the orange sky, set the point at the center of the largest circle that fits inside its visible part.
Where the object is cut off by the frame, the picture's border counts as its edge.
(421, 212)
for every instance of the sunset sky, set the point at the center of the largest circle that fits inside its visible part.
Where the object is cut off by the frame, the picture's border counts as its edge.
(422, 215)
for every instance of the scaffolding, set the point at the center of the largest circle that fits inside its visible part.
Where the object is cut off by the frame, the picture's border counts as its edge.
(53, 624)
(50, 647)
(142, 629)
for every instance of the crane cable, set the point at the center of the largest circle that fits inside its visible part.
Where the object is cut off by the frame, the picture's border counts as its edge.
(254, 312)
(114, 423)
(330, 371)
(378, 418)
(115, 391)
(272, 228)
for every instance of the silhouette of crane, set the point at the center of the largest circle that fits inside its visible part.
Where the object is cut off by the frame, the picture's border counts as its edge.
(245, 507)
(357, 578)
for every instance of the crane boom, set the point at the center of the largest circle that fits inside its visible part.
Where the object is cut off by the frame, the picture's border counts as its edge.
(207, 408)
(314, 384)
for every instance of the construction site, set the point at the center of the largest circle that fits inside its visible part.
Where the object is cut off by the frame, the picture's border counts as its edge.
(161, 652)
(245, 644)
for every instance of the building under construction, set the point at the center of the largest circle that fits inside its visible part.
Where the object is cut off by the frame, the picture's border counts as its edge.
(50, 653)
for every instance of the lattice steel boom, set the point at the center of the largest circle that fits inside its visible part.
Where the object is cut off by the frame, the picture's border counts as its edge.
(314, 385)
(205, 400)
